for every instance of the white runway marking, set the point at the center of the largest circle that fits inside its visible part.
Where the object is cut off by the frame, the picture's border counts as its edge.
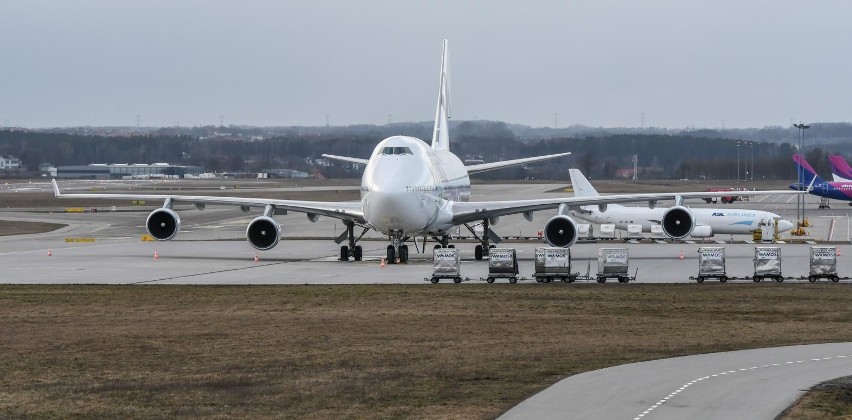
(716, 375)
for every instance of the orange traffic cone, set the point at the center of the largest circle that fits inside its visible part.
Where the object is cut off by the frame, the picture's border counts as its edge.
(256, 258)
(838, 251)
(383, 262)
(50, 254)
(681, 254)
(156, 255)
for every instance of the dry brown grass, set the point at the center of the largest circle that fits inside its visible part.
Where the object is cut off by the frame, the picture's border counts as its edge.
(367, 351)
(829, 400)
(17, 227)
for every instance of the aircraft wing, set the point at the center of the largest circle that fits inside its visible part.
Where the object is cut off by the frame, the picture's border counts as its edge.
(482, 167)
(345, 210)
(467, 212)
(346, 159)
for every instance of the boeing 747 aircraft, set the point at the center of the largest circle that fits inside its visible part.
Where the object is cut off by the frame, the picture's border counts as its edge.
(411, 189)
(708, 221)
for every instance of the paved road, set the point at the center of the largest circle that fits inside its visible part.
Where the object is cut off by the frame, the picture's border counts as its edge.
(748, 384)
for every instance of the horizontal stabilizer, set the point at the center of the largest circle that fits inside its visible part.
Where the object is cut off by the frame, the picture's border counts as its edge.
(482, 167)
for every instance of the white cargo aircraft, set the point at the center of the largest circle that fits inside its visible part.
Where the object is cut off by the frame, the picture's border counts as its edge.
(708, 221)
(409, 190)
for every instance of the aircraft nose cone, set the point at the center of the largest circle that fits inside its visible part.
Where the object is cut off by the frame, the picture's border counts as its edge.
(784, 225)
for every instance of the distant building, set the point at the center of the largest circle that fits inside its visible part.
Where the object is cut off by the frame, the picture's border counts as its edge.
(128, 171)
(624, 173)
(9, 163)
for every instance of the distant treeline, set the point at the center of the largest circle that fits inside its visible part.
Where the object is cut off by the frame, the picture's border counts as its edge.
(660, 156)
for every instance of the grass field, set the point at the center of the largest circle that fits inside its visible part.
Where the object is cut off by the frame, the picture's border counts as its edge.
(367, 351)
(829, 400)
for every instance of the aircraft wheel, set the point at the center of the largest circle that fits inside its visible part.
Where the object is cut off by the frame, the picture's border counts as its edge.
(403, 254)
(434, 280)
(490, 279)
(391, 255)
(358, 253)
(344, 253)
(477, 253)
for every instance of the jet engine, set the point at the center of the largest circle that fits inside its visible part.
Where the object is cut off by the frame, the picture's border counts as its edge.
(163, 224)
(678, 222)
(560, 231)
(702, 231)
(263, 233)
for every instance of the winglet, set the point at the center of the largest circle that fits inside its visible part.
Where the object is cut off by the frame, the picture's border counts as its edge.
(441, 135)
(56, 192)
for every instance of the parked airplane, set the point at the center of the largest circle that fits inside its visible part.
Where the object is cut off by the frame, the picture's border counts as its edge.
(410, 190)
(708, 221)
(840, 169)
(809, 180)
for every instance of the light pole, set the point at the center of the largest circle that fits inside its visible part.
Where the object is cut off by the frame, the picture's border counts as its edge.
(801, 172)
(738, 161)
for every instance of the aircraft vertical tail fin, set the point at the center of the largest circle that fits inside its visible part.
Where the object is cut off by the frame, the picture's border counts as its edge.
(840, 169)
(806, 173)
(582, 186)
(441, 135)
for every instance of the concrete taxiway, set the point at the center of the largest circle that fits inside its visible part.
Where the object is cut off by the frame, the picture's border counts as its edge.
(748, 384)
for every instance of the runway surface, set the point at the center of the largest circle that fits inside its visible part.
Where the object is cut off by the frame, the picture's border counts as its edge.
(748, 384)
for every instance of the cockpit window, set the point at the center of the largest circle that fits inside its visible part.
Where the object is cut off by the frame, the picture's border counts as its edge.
(396, 151)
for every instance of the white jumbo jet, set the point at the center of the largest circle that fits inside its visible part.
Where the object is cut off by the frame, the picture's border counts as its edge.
(410, 190)
(708, 221)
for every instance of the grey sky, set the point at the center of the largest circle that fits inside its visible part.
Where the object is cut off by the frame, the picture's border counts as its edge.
(681, 63)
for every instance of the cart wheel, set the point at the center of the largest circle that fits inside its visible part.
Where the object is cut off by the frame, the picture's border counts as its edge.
(723, 279)
(757, 279)
(456, 279)
(539, 279)
(779, 279)
(700, 279)
(835, 279)
(434, 280)
(566, 280)
(548, 279)
(513, 280)
(490, 279)
(571, 279)
(601, 279)
(812, 279)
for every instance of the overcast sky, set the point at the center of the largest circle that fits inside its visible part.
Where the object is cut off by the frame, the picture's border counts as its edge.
(679, 63)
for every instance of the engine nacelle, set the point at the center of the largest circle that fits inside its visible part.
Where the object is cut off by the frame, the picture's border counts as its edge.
(560, 231)
(163, 224)
(263, 233)
(678, 222)
(702, 231)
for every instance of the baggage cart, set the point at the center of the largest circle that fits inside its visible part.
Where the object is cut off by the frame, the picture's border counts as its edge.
(767, 263)
(613, 263)
(607, 231)
(502, 263)
(711, 264)
(823, 263)
(446, 264)
(553, 263)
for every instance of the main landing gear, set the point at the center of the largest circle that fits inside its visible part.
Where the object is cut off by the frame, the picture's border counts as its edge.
(484, 246)
(352, 250)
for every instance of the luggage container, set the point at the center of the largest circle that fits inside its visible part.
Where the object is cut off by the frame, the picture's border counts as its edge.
(584, 231)
(553, 263)
(711, 264)
(767, 234)
(657, 231)
(446, 264)
(823, 263)
(634, 231)
(767, 263)
(607, 231)
(502, 263)
(613, 263)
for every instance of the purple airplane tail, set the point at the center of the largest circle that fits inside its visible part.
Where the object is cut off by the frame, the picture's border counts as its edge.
(840, 168)
(805, 172)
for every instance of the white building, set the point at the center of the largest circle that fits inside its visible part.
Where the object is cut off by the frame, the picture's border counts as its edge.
(9, 163)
